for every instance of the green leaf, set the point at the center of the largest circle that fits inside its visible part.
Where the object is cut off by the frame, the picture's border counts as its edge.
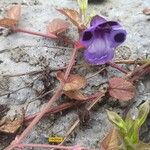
(134, 125)
(143, 112)
(118, 121)
(133, 134)
(129, 121)
(128, 144)
(83, 4)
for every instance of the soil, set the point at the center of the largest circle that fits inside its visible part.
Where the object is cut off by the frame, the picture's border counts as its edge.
(21, 53)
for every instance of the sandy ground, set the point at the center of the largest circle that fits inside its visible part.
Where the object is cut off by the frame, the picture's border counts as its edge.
(24, 53)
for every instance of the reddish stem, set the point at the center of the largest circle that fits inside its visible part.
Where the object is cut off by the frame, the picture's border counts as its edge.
(138, 72)
(48, 146)
(61, 107)
(50, 35)
(51, 111)
(113, 65)
(56, 96)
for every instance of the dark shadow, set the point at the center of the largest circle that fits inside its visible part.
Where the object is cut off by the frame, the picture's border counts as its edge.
(96, 1)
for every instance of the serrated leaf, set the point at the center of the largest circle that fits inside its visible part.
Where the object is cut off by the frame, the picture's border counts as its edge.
(73, 16)
(74, 81)
(143, 112)
(111, 141)
(8, 23)
(76, 94)
(14, 12)
(121, 89)
(57, 26)
(117, 120)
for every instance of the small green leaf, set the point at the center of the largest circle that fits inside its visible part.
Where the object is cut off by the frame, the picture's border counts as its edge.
(143, 112)
(118, 121)
(134, 126)
(133, 134)
(128, 144)
(129, 121)
(83, 4)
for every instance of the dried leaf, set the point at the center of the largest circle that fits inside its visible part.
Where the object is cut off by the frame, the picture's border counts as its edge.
(74, 82)
(11, 126)
(74, 17)
(57, 26)
(146, 11)
(121, 89)
(76, 94)
(14, 12)
(8, 23)
(110, 142)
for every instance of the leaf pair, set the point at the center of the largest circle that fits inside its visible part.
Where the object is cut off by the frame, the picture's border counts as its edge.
(129, 128)
(58, 26)
(12, 17)
(73, 85)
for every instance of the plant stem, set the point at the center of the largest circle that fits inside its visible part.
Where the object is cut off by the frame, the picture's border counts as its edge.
(57, 95)
(52, 36)
(47, 146)
(140, 62)
(138, 72)
(51, 111)
(62, 107)
(76, 123)
(117, 67)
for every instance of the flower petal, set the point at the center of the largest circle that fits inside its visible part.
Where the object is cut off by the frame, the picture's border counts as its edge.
(87, 36)
(99, 52)
(117, 36)
(100, 39)
(96, 20)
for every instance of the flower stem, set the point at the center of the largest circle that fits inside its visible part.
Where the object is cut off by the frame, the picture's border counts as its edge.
(46, 146)
(140, 62)
(117, 67)
(51, 111)
(50, 35)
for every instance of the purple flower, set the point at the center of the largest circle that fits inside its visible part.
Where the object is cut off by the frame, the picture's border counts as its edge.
(100, 40)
